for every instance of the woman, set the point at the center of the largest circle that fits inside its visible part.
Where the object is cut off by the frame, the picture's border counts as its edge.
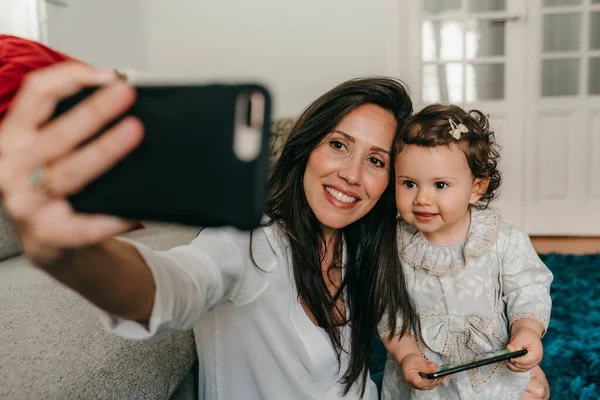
(285, 312)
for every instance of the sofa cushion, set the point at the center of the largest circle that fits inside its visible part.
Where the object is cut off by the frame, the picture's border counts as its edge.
(9, 242)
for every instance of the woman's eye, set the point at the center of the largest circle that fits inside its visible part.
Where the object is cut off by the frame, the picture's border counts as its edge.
(441, 185)
(337, 145)
(377, 162)
(410, 184)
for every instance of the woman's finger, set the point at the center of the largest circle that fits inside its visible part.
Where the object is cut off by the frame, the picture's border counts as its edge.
(57, 226)
(40, 92)
(82, 122)
(21, 205)
(72, 173)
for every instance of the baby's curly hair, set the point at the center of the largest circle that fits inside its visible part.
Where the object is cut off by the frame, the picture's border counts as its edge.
(430, 127)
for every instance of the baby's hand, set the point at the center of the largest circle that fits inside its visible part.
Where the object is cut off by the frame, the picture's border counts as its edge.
(412, 364)
(529, 339)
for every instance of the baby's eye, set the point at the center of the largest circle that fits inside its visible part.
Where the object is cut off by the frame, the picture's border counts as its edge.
(377, 162)
(409, 184)
(441, 185)
(337, 145)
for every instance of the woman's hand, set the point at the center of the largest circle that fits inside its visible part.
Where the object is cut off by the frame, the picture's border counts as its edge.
(414, 363)
(41, 162)
(538, 388)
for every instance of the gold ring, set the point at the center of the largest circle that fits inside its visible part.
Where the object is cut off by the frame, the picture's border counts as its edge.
(122, 76)
(39, 180)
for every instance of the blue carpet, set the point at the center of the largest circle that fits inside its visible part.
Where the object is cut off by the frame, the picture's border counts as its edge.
(572, 345)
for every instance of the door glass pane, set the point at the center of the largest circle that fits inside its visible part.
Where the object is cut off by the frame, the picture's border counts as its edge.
(594, 81)
(442, 40)
(436, 7)
(483, 38)
(560, 77)
(487, 5)
(561, 32)
(595, 30)
(443, 83)
(484, 82)
(561, 2)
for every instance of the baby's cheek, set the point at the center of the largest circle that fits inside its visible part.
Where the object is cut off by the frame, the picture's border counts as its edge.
(458, 204)
(401, 199)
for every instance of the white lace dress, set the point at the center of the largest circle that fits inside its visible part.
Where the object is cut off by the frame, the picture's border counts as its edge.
(466, 297)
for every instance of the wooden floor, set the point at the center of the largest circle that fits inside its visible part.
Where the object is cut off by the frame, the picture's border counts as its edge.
(566, 245)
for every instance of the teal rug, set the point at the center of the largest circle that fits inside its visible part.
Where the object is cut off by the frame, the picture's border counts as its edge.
(572, 345)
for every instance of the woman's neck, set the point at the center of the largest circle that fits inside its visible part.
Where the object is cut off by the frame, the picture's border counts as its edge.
(332, 275)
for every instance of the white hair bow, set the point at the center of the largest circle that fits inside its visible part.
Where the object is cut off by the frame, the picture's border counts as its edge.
(457, 130)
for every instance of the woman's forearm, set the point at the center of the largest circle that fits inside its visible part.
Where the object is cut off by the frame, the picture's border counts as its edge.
(112, 275)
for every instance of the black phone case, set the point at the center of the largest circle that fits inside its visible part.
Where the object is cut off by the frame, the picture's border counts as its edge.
(470, 365)
(185, 170)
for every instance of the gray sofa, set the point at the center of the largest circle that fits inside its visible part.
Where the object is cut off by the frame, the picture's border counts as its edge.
(52, 345)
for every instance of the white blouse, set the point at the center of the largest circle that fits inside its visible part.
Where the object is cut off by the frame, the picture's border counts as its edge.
(253, 336)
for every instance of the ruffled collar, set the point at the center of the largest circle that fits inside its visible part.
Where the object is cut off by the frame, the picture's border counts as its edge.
(417, 252)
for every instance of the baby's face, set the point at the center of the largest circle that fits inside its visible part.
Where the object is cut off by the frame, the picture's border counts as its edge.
(434, 187)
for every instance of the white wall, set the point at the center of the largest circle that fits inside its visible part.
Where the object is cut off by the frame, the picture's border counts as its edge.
(107, 33)
(299, 49)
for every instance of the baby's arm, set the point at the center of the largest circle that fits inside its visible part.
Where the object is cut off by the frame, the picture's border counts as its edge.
(526, 282)
(407, 354)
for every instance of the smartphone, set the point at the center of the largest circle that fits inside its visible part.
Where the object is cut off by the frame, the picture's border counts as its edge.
(203, 161)
(484, 359)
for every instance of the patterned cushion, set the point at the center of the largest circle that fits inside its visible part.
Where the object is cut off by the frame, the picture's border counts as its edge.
(280, 130)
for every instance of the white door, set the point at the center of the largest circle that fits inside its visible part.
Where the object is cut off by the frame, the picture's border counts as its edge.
(471, 53)
(562, 147)
(534, 66)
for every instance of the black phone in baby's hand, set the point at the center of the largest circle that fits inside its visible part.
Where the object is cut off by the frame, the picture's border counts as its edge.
(203, 161)
(484, 359)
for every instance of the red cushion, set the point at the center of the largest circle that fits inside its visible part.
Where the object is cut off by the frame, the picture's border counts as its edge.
(18, 57)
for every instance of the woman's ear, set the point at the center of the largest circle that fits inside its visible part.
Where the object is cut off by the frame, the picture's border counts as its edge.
(480, 186)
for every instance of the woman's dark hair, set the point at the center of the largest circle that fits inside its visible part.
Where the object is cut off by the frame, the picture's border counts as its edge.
(373, 280)
(431, 127)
